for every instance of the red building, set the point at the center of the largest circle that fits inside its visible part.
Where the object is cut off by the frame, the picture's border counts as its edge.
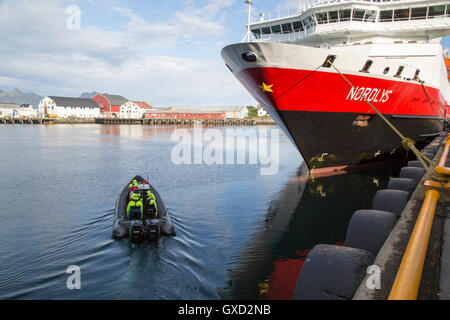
(109, 103)
(185, 115)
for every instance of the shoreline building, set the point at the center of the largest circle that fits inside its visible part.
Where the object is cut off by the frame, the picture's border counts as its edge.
(109, 104)
(198, 113)
(65, 107)
(17, 110)
(134, 109)
(261, 111)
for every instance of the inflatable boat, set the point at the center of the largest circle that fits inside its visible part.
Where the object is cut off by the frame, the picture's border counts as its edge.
(152, 224)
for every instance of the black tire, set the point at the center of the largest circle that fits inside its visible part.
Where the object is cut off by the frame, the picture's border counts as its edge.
(390, 200)
(332, 273)
(415, 163)
(368, 229)
(403, 184)
(412, 173)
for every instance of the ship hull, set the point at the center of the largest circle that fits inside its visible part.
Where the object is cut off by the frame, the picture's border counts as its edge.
(323, 115)
(332, 139)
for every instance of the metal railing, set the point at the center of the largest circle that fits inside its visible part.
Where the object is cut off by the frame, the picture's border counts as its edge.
(407, 281)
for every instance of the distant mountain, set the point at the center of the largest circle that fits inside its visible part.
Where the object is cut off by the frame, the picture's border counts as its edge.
(89, 95)
(17, 96)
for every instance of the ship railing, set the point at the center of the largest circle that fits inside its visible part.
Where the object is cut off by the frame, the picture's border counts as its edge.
(304, 5)
(355, 25)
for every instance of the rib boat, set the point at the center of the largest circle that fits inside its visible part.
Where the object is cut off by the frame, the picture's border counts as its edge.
(149, 227)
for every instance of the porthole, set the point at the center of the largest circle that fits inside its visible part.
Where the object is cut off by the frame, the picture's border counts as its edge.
(386, 70)
(249, 56)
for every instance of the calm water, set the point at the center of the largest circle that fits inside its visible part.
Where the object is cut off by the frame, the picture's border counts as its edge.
(240, 234)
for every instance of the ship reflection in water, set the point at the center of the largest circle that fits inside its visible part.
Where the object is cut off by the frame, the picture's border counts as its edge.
(307, 212)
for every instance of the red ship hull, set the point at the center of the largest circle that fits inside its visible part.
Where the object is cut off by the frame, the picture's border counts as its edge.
(332, 125)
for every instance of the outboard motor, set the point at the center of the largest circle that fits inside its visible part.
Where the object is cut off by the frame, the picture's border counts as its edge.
(152, 230)
(136, 231)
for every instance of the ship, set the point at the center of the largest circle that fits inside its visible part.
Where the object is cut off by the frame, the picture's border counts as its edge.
(321, 71)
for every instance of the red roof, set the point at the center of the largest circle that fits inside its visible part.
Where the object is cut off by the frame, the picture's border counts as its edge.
(142, 105)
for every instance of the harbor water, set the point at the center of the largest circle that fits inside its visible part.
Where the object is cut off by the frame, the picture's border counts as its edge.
(240, 234)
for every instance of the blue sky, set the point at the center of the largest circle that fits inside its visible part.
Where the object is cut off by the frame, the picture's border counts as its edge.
(166, 53)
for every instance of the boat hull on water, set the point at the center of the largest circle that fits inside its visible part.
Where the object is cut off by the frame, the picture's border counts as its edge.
(323, 115)
(122, 224)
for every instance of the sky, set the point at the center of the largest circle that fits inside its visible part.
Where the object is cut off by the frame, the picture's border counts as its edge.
(166, 53)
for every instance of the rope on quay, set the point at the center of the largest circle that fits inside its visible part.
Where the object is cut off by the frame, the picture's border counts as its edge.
(407, 143)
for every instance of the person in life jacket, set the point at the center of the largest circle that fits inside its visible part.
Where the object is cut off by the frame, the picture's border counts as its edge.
(134, 185)
(135, 209)
(151, 203)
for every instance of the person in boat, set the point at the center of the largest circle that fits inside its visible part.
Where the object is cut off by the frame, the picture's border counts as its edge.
(135, 208)
(151, 203)
(133, 185)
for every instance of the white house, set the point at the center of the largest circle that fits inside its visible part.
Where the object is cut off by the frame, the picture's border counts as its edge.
(261, 111)
(237, 113)
(8, 109)
(17, 110)
(134, 109)
(27, 110)
(65, 107)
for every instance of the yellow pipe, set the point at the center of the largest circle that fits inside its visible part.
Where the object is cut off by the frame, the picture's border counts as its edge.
(441, 168)
(407, 282)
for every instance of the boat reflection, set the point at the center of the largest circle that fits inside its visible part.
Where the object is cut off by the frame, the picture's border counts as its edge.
(307, 212)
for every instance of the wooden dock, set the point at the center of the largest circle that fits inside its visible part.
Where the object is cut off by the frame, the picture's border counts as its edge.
(27, 120)
(204, 122)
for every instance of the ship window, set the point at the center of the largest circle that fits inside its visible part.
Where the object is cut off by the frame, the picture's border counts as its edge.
(416, 75)
(401, 14)
(265, 30)
(370, 16)
(322, 17)
(436, 12)
(257, 33)
(344, 15)
(399, 71)
(298, 26)
(367, 66)
(386, 70)
(333, 16)
(287, 28)
(418, 13)
(306, 24)
(386, 15)
(358, 14)
(276, 29)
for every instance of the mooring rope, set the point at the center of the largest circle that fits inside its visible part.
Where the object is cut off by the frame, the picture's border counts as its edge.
(428, 95)
(407, 143)
(297, 83)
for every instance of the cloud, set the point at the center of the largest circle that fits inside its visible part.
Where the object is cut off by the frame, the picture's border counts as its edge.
(41, 54)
